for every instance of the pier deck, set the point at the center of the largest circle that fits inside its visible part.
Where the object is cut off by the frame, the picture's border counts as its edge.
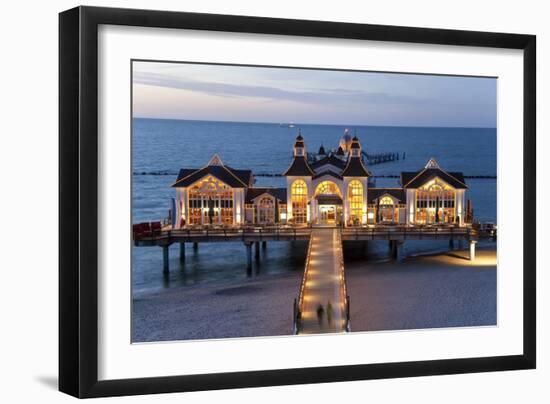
(280, 233)
(249, 236)
(323, 285)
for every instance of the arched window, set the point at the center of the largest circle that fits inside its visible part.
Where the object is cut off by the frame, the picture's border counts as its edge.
(266, 210)
(435, 202)
(210, 202)
(386, 210)
(299, 201)
(355, 197)
(327, 188)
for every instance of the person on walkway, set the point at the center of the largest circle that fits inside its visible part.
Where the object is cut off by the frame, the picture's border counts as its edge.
(329, 314)
(320, 313)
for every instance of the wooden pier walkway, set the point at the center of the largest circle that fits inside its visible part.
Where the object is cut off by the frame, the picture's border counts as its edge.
(253, 235)
(323, 285)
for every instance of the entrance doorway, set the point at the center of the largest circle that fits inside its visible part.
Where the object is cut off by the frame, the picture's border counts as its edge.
(330, 214)
(327, 214)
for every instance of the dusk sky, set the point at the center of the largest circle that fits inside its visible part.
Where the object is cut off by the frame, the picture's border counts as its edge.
(256, 94)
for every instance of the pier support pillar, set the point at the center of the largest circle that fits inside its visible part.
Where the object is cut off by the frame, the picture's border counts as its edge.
(473, 250)
(460, 244)
(195, 246)
(165, 259)
(182, 251)
(264, 245)
(391, 248)
(399, 250)
(451, 244)
(257, 250)
(248, 257)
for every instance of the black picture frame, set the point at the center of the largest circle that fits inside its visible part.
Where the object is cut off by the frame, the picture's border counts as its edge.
(78, 200)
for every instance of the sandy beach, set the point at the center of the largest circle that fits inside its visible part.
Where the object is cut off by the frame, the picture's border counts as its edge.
(443, 290)
(253, 307)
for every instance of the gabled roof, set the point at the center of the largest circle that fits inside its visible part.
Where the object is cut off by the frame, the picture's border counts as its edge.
(299, 167)
(335, 161)
(252, 193)
(355, 168)
(328, 172)
(233, 178)
(244, 175)
(419, 178)
(376, 193)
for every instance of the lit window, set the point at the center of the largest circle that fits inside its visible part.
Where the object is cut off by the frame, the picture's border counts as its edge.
(327, 188)
(435, 202)
(266, 210)
(386, 200)
(210, 202)
(299, 201)
(355, 197)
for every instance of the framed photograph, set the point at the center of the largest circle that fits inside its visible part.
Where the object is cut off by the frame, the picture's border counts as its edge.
(251, 201)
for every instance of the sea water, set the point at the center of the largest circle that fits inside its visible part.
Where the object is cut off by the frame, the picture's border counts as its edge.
(161, 147)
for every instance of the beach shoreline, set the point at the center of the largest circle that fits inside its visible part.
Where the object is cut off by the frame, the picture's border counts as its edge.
(428, 291)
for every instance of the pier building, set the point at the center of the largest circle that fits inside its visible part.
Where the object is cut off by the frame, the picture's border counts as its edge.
(324, 188)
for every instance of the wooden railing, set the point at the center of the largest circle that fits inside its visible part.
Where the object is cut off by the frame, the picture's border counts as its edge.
(343, 287)
(299, 303)
(235, 233)
(389, 232)
(286, 232)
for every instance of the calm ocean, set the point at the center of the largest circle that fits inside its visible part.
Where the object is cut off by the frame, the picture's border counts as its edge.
(161, 146)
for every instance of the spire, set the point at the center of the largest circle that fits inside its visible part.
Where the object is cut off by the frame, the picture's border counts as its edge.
(432, 163)
(299, 145)
(299, 165)
(215, 161)
(355, 167)
(355, 147)
(322, 151)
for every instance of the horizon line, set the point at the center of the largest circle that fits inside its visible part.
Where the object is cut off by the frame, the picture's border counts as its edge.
(316, 123)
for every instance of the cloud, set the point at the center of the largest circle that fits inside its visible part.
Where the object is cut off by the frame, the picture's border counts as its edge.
(311, 96)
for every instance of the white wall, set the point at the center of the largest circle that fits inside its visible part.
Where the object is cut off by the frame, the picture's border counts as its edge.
(28, 295)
